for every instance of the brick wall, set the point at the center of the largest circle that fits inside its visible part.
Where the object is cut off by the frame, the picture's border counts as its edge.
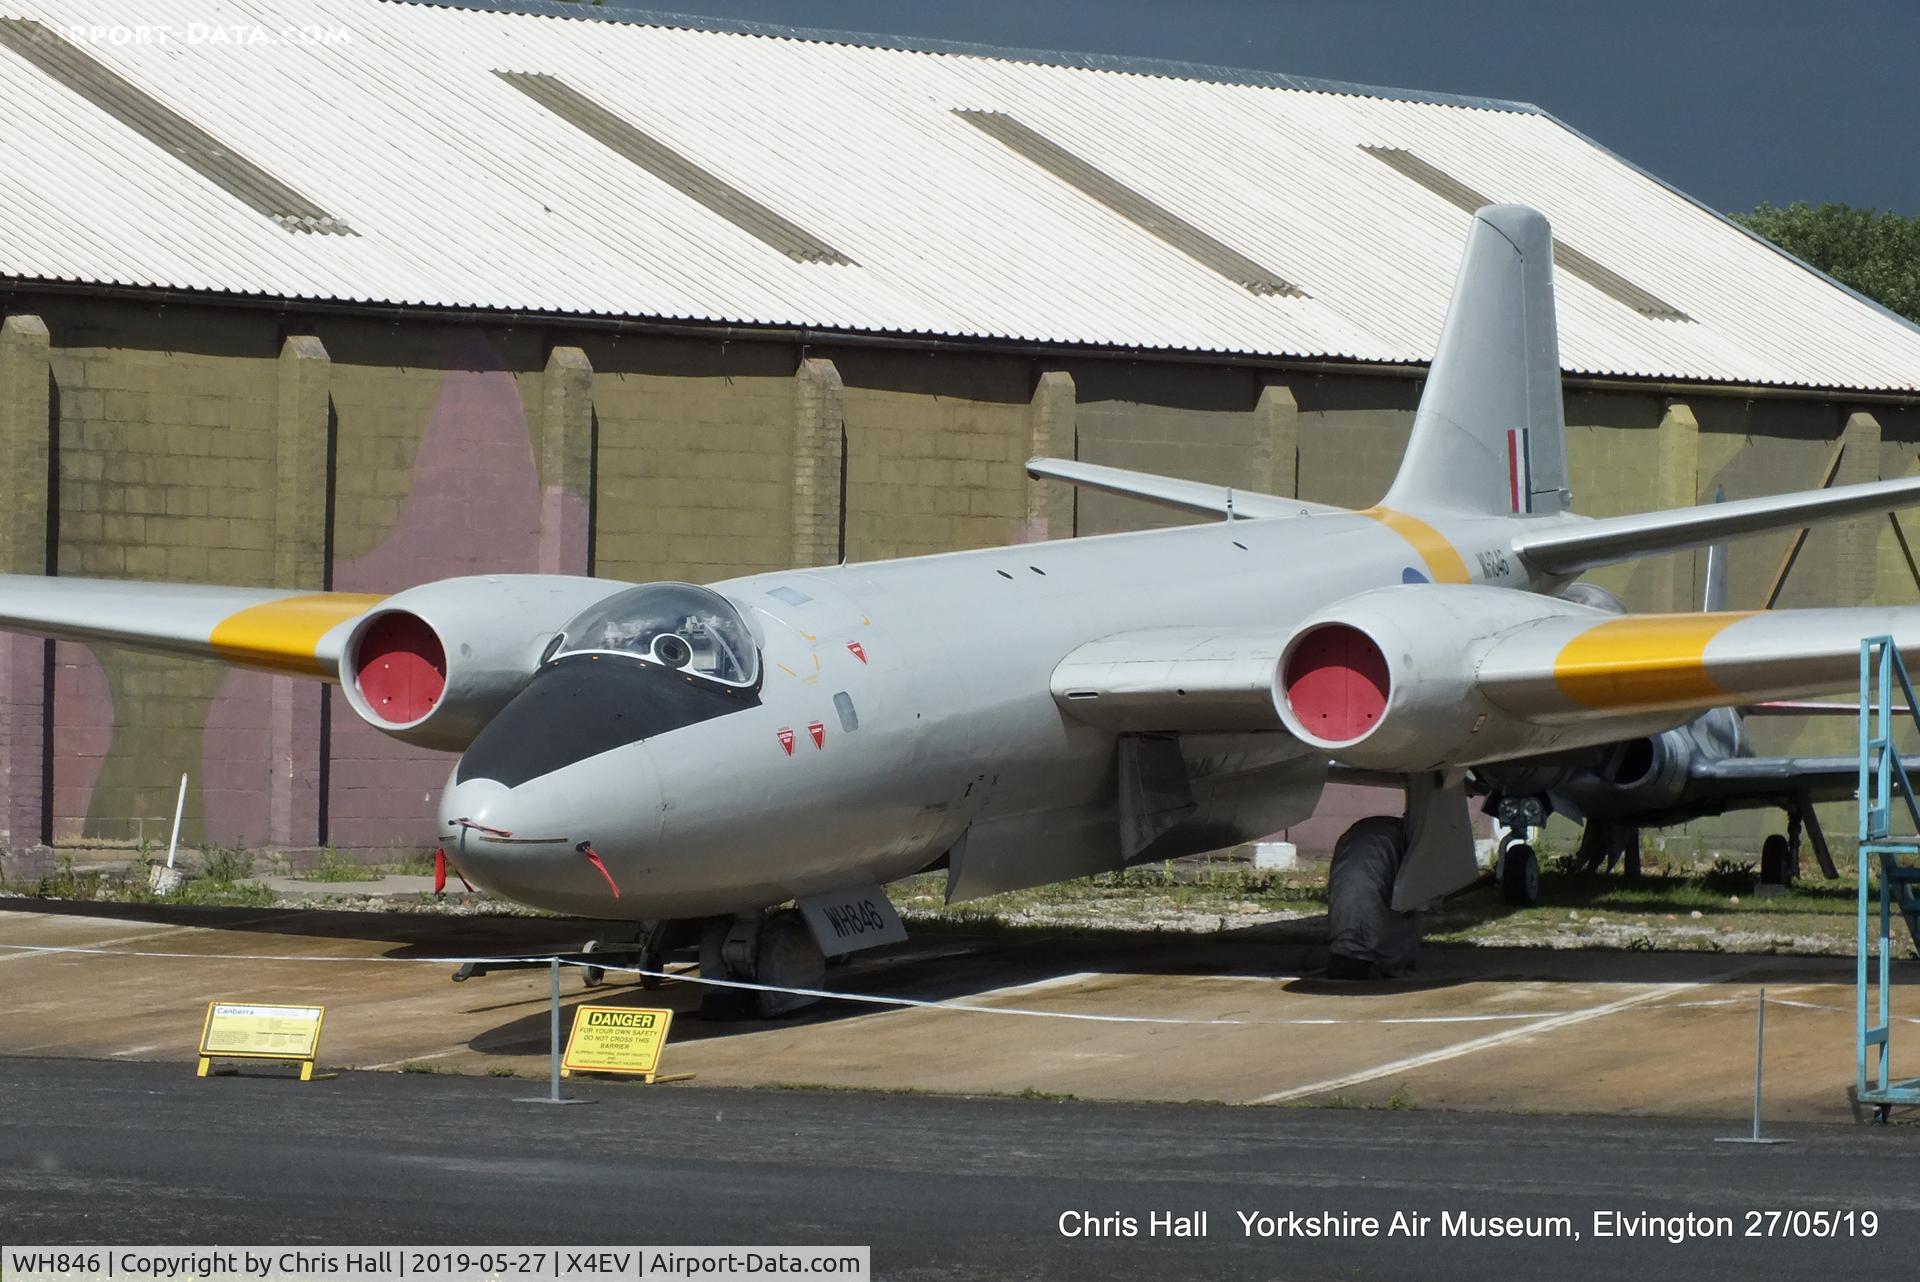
(935, 452)
(694, 455)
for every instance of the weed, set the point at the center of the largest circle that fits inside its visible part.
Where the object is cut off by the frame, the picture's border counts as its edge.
(1730, 877)
(61, 883)
(416, 864)
(333, 867)
(225, 865)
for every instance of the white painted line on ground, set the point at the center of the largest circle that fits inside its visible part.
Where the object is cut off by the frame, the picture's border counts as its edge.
(1038, 985)
(1537, 1020)
(40, 950)
(1551, 1024)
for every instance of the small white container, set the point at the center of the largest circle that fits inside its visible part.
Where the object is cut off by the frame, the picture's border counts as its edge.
(1275, 856)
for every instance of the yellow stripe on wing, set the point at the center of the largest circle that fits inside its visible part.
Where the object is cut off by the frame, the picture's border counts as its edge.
(285, 635)
(1654, 661)
(1444, 563)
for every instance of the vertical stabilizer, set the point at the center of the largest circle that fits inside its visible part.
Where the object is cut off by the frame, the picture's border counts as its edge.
(1490, 436)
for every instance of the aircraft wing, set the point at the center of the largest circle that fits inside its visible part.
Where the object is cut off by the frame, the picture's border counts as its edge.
(272, 629)
(1569, 547)
(1181, 679)
(1571, 669)
(1820, 778)
(1811, 708)
(1432, 676)
(1167, 491)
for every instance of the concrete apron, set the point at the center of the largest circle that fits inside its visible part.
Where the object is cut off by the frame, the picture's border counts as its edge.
(1480, 1029)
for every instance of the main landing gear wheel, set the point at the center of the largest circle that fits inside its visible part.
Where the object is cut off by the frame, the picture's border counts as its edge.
(1519, 874)
(1367, 939)
(776, 949)
(593, 975)
(1776, 860)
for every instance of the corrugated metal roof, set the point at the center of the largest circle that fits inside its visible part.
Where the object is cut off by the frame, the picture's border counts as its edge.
(461, 190)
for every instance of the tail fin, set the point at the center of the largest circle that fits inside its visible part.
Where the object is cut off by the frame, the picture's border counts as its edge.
(1490, 436)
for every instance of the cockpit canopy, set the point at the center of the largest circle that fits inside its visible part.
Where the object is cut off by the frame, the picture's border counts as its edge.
(675, 625)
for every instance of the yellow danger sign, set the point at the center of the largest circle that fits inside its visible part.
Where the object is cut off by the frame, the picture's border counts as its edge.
(616, 1039)
(249, 1030)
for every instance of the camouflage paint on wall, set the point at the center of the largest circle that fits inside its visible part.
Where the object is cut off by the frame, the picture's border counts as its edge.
(469, 503)
(83, 728)
(165, 472)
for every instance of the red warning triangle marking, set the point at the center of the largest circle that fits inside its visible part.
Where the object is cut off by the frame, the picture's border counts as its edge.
(858, 652)
(786, 739)
(818, 729)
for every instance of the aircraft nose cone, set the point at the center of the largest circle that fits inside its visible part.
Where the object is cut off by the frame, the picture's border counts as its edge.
(475, 805)
(573, 841)
(500, 838)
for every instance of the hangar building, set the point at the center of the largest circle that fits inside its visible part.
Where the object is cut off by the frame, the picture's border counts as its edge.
(354, 294)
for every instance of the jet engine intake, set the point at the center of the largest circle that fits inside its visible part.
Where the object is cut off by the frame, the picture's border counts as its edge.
(432, 665)
(1389, 680)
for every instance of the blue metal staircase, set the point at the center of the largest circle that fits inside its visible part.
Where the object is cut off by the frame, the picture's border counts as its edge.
(1882, 776)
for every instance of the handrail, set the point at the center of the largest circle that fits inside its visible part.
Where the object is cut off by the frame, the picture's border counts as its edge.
(1881, 769)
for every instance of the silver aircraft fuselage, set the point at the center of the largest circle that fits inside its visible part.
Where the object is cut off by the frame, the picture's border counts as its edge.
(901, 702)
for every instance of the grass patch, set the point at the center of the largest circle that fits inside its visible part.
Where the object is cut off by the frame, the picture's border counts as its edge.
(1673, 909)
(417, 864)
(1197, 894)
(333, 867)
(225, 865)
(218, 883)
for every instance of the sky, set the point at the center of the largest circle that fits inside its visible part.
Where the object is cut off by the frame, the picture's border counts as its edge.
(1733, 101)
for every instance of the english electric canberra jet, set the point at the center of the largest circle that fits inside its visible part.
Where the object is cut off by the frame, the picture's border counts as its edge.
(695, 757)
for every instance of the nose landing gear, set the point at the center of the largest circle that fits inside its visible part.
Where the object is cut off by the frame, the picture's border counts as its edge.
(775, 949)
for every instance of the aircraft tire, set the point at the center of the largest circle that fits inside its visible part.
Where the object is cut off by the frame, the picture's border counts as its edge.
(1366, 938)
(785, 955)
(593, 976)
(1776, 858)
(1520, 875)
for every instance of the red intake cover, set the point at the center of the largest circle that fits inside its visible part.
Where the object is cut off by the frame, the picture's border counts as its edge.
(401, 668)
(1337, 683)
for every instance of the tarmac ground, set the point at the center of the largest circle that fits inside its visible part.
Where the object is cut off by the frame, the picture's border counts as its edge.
(938, 1187)
(1234, 1018)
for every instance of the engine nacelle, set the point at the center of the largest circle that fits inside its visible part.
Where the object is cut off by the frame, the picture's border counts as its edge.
(1386, 680)
(433, 664)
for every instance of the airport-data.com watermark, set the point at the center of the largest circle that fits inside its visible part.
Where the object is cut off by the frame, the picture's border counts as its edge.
(231, 35)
